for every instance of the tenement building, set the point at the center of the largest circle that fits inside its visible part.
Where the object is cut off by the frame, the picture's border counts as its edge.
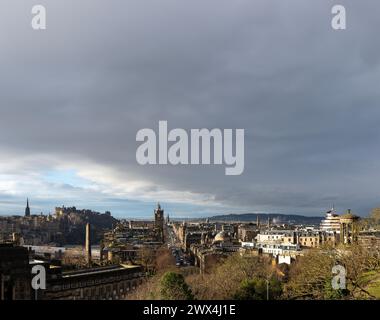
(210, 252)
(102, 283)
(15, 273)
(369, 239)
(112, 282)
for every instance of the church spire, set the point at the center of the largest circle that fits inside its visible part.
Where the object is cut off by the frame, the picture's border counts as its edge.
(27, 209)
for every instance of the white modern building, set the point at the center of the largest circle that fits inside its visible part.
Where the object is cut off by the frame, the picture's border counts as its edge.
(331, 223)
(277, 237)
(285, 251)
(279, 249)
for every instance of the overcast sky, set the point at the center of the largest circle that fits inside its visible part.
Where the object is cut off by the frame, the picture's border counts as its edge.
(72, 98)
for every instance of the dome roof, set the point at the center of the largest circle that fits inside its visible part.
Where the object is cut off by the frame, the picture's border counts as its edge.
(349, 216)
(222, 236)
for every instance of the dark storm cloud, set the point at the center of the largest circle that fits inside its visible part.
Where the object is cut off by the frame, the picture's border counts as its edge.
(307, 96)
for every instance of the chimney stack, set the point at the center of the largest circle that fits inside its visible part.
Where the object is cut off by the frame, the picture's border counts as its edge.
(88, 244)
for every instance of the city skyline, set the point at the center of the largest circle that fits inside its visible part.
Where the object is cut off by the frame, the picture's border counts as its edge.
(142, 211)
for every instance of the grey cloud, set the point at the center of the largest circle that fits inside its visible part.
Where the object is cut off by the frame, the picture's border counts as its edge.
(307, 96)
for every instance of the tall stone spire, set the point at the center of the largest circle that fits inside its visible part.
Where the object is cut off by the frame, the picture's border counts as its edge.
(27, 209)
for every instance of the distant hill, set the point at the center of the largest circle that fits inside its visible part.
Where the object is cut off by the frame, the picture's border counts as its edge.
(263, 217)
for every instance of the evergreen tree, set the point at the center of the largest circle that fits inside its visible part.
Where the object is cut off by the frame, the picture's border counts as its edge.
(174, 287)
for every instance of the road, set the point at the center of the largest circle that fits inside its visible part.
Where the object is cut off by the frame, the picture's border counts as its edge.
(181, 258)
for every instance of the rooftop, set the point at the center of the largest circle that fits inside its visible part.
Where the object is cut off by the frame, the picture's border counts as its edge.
(100, 270)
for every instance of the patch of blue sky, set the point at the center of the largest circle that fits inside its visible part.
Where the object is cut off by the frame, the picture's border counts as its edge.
(66, 176)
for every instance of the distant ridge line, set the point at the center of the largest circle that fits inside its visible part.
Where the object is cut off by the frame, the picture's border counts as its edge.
(278, 217)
